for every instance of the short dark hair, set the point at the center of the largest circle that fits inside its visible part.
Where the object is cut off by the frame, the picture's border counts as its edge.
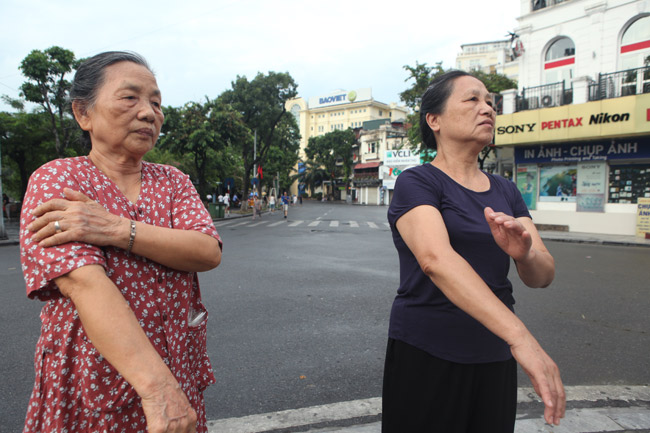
(90, 77)
(434, 101)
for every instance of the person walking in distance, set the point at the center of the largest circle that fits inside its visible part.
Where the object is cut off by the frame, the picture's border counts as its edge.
(285, 203)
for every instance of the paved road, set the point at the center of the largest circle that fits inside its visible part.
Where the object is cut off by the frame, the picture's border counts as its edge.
(299, 312)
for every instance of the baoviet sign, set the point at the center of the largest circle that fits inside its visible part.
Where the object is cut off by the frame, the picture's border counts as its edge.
(629, 115)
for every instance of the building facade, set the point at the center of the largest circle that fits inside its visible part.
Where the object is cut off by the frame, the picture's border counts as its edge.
(340, 110)
(578, 126)
(491, 57)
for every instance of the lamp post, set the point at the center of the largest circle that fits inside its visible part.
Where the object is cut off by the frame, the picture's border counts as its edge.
(3, 232)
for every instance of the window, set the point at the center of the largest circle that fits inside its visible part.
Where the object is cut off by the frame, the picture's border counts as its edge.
(295, 110)
(559, 61)
(635, 44)
(628, 182)
(380, 112)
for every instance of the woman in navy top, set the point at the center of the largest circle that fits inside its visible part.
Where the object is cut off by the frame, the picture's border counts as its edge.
(454, 338)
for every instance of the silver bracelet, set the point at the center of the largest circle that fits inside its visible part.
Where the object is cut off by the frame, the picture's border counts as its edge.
(132, 237)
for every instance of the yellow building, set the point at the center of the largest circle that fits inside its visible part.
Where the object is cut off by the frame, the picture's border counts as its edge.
(340, 109)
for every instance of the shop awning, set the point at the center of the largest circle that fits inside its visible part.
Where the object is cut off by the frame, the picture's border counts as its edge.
(363, 165)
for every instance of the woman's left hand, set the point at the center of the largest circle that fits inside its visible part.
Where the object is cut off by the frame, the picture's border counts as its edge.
(509, 234)
(76, 218)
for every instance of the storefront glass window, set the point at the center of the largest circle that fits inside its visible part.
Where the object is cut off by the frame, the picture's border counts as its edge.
(628, 182)
(558, 183)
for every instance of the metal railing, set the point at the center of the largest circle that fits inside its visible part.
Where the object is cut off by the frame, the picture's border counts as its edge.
(621, 83)
(541, 4)
(547, 95)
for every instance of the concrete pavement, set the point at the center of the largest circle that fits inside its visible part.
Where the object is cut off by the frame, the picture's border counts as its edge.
(607, 408)
(590, 409)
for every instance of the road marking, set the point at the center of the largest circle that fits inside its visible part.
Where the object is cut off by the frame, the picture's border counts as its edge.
(257, 224)
(372, 225)
(387, 225)
(224, 223)
(240, 224)
(354, 224)
(334, 223)
(313, 223)
(372, 407)
(295, 223)
(276, 224)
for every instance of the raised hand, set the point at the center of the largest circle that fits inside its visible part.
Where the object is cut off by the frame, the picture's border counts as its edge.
(509, 234)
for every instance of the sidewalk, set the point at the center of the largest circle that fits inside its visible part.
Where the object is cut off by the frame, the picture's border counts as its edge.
(593, 409)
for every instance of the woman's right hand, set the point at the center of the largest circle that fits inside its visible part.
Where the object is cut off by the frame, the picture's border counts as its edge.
(167, 410)
(544, 375)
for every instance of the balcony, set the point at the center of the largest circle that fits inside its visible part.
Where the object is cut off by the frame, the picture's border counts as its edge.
(621, 83)
(547, 95)
(536, 5)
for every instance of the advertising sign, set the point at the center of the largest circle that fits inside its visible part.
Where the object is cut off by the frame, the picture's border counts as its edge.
(527, 184)
(341, 97)
(643, 217)
(604, 150)
(401, 157)
(591, 187)
(558, 183)
(593, 120)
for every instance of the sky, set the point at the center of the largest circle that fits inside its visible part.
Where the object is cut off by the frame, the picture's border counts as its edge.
(197, 48)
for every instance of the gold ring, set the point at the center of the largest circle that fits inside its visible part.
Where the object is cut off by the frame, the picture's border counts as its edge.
(57, 227)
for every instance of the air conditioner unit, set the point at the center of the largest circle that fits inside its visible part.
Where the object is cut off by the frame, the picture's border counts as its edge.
(547, 101)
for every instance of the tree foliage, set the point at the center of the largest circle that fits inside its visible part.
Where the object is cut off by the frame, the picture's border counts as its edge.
(261, 103)
(48, 87)
(329, 157)
(26, 145)
(205, 138)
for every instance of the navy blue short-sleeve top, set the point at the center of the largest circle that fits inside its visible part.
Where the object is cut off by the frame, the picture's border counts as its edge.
(421, 314)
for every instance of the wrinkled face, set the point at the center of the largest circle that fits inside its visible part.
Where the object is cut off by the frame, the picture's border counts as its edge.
(468, 116)
(127, 116)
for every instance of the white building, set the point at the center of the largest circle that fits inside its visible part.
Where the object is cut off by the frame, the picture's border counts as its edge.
(489, 57)
(579, 124)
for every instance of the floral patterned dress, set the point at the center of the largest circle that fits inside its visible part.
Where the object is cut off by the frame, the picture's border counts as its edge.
(76, 389)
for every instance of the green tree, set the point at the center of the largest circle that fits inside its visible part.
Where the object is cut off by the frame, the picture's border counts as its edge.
(26, 145)
(209, 135)
(261, 102)
(48, 87)
(331, 155)
(282, 156)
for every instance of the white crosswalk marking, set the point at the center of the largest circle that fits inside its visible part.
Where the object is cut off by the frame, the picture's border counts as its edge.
(276, 224)
(295, 223)
(313, 223)
(334, 223)
(240, 224)
(372, 225)
(354, 224)
(387, 225)
(224, 223)
(257, 224)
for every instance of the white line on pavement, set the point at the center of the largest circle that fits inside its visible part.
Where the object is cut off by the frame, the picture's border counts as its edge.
(354, 224)
(277, 223)
(313, 223)
(334, 223)
(372, 225)
(295, 223)
(240, 224)
(257, 224)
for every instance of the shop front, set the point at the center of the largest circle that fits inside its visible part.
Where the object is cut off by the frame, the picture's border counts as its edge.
(583, 167)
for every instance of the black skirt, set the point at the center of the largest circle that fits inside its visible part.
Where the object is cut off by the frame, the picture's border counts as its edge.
(422, 393)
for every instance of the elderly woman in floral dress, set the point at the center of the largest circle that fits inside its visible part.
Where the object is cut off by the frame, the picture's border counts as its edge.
(112, 245)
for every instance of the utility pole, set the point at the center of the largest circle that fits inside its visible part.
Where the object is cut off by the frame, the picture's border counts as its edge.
(3, 231)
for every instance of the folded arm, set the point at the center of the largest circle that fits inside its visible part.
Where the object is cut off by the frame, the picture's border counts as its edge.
(115, 332)
(84, 220)
(424, 232)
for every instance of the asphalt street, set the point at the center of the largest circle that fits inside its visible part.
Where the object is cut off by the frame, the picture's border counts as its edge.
(299, 313)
